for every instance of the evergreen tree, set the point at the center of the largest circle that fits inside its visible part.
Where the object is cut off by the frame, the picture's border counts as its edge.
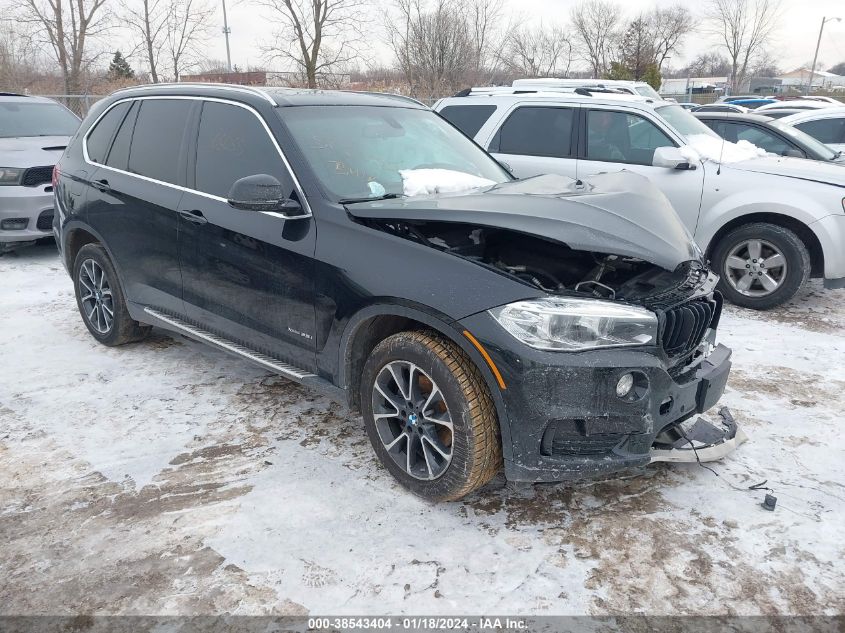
(119, 68)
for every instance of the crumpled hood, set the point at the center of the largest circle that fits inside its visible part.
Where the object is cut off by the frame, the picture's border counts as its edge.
(617, 214)
(32, 151)
(814, 170)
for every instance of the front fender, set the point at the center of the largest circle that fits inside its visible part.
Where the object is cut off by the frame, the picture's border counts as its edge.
(728, 200)
(440, 323)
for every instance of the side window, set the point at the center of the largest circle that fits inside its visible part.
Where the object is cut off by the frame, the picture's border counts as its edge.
(469, 118)
(536, 131)
(233, 144)
(158, 138)
(825, 130)
(761, 138)
(623, 138)
(119, 155)
(100, 137)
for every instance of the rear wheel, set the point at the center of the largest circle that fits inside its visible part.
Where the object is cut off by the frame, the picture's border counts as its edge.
(761, 265)
(430, 416)
(100, 299)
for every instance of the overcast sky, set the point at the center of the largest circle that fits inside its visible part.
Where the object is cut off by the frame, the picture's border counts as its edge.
(793, 47)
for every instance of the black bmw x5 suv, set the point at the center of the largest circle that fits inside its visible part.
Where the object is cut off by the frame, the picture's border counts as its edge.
(552, 326)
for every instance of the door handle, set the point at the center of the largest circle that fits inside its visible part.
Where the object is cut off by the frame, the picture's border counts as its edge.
(102, 185)
(193, 215)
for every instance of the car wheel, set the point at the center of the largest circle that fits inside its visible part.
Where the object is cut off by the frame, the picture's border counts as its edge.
(100, 299)
(429, 416)
(761, 265)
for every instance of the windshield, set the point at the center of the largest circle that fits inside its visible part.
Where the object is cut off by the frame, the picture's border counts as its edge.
(36, 119)
(805, 139)
(358, 151)
(683, 121)
(647, 91)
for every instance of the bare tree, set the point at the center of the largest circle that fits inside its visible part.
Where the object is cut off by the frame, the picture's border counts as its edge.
(538, 51)
(596, 24)
(668, 28)
(744, 27)
(186, 29)
(67, 28)
(484, 21)
(148, 21)
(433, 45)
(316, 36)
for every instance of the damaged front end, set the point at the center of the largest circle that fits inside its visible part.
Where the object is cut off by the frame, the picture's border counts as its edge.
(572, 409)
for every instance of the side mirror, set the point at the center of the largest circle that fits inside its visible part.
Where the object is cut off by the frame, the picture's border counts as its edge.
(795, 153)
(263, 192)
(671, 158)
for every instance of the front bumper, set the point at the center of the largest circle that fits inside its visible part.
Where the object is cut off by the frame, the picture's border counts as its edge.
(559, 413)
(830, 232)
(29, 203)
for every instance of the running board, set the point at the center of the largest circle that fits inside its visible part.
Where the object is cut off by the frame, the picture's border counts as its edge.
(288, 371)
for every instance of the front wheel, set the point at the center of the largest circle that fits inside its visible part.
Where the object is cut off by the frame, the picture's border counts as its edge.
(761, 265)
(429, 416)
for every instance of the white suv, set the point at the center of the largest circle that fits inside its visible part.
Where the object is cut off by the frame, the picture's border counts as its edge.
(767, 223)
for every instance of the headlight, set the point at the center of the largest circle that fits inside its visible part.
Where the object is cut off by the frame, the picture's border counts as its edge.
(10, 175)
(570, 324)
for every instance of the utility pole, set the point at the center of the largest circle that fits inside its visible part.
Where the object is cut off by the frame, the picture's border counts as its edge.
(816, 56)
(226, 32)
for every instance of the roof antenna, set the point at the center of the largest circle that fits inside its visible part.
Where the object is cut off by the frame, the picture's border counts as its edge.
(721, 152)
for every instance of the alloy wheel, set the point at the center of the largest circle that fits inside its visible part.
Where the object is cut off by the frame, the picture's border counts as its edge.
(755, 268)
(412, 420)
(96, 296)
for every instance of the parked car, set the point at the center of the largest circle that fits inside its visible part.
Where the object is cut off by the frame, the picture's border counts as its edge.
(33, 134)
(798, 104)
(770, 134)
(638, 88)
(722, 107)
(560, 327)
(829, 100)
(786, 213)
(827, 125)
(689, 106)
(750, 103)
(779, 113)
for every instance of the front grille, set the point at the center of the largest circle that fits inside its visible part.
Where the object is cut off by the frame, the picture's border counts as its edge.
(572, 437)
(45, 220)
(683, 327)
(35, 176)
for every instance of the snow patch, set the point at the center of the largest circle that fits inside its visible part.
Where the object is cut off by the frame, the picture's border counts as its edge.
(706, 147)
(422, 182)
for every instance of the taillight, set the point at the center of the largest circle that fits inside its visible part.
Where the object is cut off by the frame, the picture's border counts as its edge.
(56, 172)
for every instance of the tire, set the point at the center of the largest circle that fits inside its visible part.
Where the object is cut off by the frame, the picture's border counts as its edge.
(119, 328)
(735, 252)
(473, 444)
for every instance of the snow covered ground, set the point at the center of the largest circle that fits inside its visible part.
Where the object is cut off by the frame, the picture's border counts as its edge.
(167, 478)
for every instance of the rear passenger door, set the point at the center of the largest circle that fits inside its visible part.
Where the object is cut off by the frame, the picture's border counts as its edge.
(134, 196)
(248, 275)
(537, 139)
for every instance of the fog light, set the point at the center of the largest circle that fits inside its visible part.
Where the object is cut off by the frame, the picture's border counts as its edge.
(14, 224)
(625, 384)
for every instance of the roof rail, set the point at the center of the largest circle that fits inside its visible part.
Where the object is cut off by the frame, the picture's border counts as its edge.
(206, 84)
(12, 94)
(584, 91)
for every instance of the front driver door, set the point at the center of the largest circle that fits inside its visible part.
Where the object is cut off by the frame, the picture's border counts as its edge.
(248, 275)
(617, 140)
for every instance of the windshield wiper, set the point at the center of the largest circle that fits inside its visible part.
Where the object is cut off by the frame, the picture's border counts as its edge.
(387, 196)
